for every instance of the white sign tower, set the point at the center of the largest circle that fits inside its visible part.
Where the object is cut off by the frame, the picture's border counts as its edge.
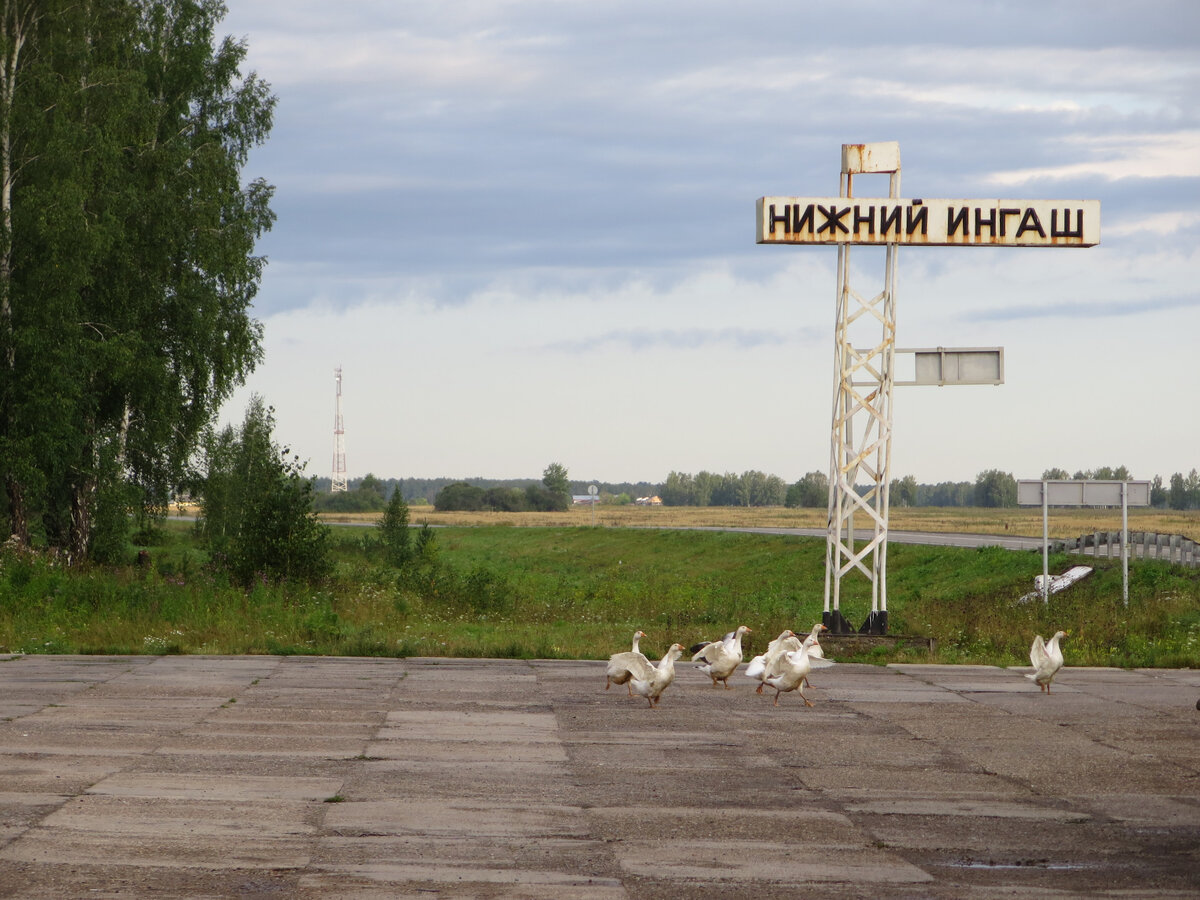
(864, 373)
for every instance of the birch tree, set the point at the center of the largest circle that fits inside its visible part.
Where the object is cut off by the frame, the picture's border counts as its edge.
(16, 27)
(127, 262)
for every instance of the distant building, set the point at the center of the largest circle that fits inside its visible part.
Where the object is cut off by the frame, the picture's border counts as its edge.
(581, 499)
(649, 501)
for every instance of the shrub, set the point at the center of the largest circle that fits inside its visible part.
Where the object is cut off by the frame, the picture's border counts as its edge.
(256, 507)
(394, 533)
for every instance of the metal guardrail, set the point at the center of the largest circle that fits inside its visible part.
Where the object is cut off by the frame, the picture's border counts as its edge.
(1172, 548)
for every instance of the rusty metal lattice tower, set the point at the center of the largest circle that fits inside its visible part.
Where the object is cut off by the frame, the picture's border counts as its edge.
(861, 457)
(338, 482)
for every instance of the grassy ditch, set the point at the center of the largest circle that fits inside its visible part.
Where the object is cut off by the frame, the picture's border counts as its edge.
(579, 592)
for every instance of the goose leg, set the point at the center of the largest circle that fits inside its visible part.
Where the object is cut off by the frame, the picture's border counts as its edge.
(760, 687)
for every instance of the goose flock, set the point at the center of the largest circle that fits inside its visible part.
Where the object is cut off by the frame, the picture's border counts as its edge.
(784, 665)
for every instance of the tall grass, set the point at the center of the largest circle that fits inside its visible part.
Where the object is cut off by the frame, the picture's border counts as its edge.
(580, 592)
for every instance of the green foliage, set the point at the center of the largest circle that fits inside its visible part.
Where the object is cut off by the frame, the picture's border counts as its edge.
(359, 500)
(127, 264)
(115, 500)
(394, 533)
(810, 491)
(459, 496)
(505, 499)
(370, 484)
(256, 507)
(543, 499)
(470, 498)
(751, 488)
(554, 477)
(994, 488)
(479, 591)
(946, 493)
(903, 491)
(1184, 492)
(368, 494)
(427, 545)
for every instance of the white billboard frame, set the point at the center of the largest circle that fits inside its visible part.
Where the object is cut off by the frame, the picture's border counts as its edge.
(947, 366)
(1080, 492)
(1047, 492)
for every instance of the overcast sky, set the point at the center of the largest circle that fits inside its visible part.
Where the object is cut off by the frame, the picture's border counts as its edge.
(525, 231)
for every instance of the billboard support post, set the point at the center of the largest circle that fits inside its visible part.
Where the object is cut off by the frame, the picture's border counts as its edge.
(1045, 545)
(1055, 492)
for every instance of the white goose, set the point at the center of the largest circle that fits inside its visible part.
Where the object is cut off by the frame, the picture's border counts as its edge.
(815, 650)
(622, 667)
(793, 669)
(765, 663)
(722, 657)
(1047, 659)
(661, 678)
(770, 662)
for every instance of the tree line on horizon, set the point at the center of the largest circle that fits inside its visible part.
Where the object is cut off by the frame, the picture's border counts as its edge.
(369, 493)
(991, 488)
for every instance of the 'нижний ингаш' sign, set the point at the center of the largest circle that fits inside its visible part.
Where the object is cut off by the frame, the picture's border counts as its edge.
(853, 220)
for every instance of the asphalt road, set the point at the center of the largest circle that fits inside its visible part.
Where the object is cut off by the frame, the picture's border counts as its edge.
(931, 538)
(370, 778)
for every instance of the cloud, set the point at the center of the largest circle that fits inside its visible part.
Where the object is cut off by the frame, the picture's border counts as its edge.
(1083, 309)
(1141, 156)
(681, 339)
(447, 148)
(504, 204)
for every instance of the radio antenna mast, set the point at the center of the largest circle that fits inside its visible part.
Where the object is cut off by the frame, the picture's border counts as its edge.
(338, 482)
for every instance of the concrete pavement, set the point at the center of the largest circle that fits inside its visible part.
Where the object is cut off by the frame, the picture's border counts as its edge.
(314, 777)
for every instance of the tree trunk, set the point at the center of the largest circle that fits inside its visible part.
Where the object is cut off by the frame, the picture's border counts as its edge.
(83, 501)
(16, 22)
(18, 515)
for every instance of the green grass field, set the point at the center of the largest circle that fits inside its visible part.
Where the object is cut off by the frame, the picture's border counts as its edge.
(580, 592)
